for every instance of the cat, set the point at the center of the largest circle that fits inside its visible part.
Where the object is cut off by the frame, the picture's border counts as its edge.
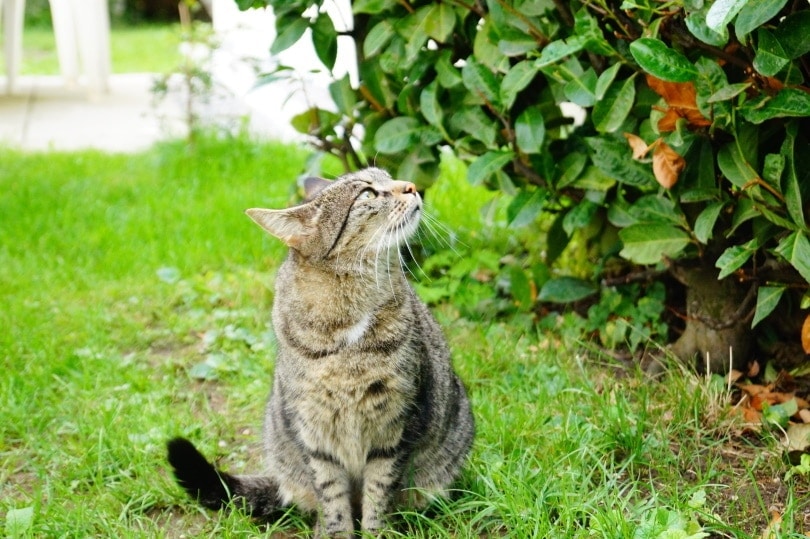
(366, 414)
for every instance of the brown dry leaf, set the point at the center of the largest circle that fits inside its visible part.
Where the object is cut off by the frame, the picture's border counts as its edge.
(754, 389)
(806, 335)
(804, 415)
(639, 147)
(681, 99)
(734, 375)
(667, 165)
(772, 530)
(753, 369)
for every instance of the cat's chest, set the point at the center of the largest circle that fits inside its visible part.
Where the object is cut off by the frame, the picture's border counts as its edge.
(348, 415)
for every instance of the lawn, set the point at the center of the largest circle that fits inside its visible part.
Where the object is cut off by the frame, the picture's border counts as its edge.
(133, 49)
(136, 306)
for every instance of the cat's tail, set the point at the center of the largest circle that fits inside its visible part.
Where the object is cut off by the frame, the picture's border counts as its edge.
(214, 489)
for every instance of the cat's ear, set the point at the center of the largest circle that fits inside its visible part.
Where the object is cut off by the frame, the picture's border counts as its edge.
(292, 226)
(313, 186)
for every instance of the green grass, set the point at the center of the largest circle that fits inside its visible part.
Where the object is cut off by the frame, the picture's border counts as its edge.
(136, 305)
(133, 49)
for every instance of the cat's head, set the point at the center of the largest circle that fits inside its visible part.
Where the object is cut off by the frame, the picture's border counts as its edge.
(356, 217)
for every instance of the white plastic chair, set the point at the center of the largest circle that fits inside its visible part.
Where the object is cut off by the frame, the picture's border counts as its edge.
(11, 13)
(82, 31)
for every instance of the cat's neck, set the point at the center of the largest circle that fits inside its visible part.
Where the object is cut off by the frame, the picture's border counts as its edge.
(359, 286)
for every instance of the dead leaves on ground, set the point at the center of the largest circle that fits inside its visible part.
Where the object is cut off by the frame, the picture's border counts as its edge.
(781, 404)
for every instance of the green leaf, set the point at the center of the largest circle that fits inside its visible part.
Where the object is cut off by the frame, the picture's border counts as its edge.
(515, 80)
(788, 102)
(19, 521)
(429, 104)
(696, 24)
(650, 243)
(734, 257)
(793, 35)
(755, 14)
(480, 80)
(654, 208)
(324, 39)
(447, 74)
(374, 81)
(556, 240)
(705, 221)
(606, 80)
(767, 299)
(657, 59)
(773, 168)
(779, 414)
(613, 157)
(530, 130)
(594, 180)
(485, 48)
(611, 112)
(566, 290)
(474, 121)
(790, 185)
(486, 165)
(770, 57)
(734, 166)
(557, 50)
(728, 92)
(525, 207)
(377, 38)
(440, 21)
(314, 120)
(795, 249)
(288, 34)
(581, 90)
(397, 135)
(569, 168)
(343, 95)
(579, 216)
(372, 6)
(520, 287)
(721, 13)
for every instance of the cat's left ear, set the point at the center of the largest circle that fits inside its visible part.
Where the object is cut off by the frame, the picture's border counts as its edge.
(313, 186)
(292, 226)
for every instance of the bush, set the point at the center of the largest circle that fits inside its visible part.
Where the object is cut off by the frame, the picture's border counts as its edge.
(693, 156)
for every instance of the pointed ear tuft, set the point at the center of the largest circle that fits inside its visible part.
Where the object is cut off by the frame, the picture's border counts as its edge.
(313, 186)
(290, 225)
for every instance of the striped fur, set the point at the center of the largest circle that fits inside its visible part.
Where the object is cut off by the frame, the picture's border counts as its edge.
(366, 414)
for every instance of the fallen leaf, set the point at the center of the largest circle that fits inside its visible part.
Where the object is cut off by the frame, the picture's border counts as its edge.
(681, 100)
(667, 165)
(753, 369)
(639, 147)
(772, 530)
(804, 415)
(806, 335)
(734, 375)
(798, 437)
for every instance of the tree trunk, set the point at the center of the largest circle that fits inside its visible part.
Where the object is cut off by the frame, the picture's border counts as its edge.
(717, 333)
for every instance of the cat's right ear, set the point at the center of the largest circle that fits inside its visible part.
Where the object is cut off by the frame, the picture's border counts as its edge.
(313, 186)
(292, 226)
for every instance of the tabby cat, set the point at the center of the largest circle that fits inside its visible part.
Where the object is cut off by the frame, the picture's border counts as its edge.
(366, 413)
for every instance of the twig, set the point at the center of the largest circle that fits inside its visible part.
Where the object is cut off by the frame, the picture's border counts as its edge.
(634, 277)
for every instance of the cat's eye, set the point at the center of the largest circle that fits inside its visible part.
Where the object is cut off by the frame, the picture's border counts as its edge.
(367, 194)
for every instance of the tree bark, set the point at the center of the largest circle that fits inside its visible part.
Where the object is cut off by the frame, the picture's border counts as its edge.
(718, 317)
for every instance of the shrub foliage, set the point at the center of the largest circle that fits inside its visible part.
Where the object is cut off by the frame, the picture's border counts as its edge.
(693, 147)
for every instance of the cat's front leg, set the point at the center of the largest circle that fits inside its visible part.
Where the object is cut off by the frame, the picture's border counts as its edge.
(333, 490)
(381, 479)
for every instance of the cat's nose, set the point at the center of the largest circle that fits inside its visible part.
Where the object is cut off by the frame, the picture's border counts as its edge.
(408, 188)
